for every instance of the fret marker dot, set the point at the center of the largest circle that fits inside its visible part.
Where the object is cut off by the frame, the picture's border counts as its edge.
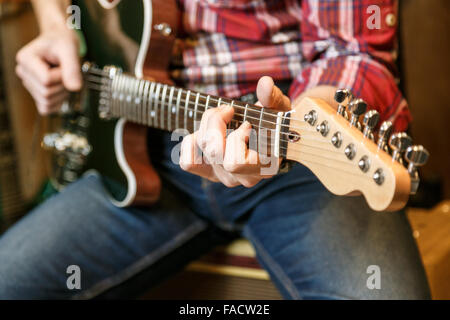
(128, 98)
(121, 97)
(174, 110)
(137, 100)
(152, 113)
(190, 114)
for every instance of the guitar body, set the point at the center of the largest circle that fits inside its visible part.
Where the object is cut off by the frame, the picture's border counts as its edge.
(127, 36)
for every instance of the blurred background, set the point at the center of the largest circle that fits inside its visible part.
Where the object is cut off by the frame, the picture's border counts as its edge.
(29, 174)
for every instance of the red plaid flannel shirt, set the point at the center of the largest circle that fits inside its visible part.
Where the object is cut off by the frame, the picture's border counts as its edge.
(311, 42)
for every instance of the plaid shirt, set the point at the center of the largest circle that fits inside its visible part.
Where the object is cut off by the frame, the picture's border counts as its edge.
(311, 42)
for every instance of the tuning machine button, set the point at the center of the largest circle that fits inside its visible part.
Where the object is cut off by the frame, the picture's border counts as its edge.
(350, 151)
(399, 142)
(378, 177)
(357, 108)
(364, 164)
(311, 117)
(323, 128)
(336, 139)
(384, 133)
(370, 121)
(416, 156)
(343, 96)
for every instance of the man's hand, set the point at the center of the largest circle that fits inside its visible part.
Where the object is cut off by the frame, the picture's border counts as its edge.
(49, 67)
(227, 158)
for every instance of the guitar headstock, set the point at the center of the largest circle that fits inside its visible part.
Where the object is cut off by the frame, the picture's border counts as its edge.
(348, 158)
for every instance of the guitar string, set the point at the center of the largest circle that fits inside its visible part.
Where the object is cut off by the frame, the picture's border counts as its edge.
(303, 152)
(168, 103)
(302, 137)
(235, 106)
(203, 96)
(190, 102)
(292, 134)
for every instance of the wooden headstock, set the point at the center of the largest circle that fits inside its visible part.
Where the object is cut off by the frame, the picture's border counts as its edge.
(343, 159)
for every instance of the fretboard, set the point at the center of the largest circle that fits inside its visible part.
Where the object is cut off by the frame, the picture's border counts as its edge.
(171, 108)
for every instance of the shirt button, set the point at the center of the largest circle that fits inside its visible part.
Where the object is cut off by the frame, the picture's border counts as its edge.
(391, 19)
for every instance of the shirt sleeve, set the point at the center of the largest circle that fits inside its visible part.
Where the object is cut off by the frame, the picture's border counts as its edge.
(352, 44)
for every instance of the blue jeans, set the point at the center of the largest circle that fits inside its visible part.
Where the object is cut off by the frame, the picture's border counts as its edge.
(313, 244)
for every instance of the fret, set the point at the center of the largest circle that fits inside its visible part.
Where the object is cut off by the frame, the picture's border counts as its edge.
(139, 100)
(186, 105)
(144, 102)
(150, 103)
(177, 116)
(207, 102)
(136, 98)
(245, 113)
(121, 96)
(154, 112)
(129, 110)
(231, 122)
(195, 111)
(170, 109)
(261, 113)
(163, 101)
(114, 96)
(219, 102)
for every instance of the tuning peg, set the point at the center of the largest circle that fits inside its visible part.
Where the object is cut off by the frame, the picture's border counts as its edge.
(416, 156)
(341, 96)
(370, 121)
(399, 142)
(356, 107)
(384, 133)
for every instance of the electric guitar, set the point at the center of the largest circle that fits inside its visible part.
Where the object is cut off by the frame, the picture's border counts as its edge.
(134, 86)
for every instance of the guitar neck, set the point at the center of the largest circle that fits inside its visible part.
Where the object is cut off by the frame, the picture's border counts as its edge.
(170, 108)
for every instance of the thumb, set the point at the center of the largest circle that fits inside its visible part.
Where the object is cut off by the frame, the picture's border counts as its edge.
(271, 96)
(70, 67)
